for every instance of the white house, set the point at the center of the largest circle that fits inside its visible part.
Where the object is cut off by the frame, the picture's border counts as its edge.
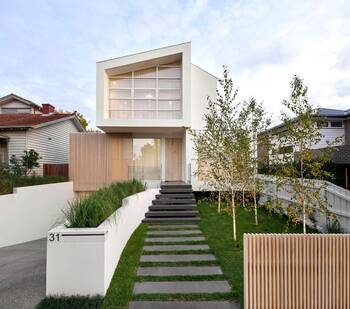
(335, 132)
(25, 125)
(145, 103)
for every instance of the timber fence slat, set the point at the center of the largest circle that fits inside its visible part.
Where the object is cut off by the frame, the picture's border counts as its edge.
(297, 271)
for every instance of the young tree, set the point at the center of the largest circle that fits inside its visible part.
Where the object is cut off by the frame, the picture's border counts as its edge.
(222, 145)
(257, 123)
(30, 160)
(302, 124)
(25, 165)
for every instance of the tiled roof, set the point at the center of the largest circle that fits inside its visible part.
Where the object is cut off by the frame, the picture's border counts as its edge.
(29, 120)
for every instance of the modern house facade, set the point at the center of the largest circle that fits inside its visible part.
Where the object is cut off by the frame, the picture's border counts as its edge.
(26, 125)
(145, 105)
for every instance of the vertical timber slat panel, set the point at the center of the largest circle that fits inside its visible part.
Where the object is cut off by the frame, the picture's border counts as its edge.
(296, 271)
(96, 160)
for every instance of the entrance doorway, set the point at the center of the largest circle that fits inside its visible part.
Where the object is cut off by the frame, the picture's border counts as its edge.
(173, 159)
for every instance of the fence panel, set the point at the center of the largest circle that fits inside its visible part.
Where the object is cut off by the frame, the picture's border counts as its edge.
(296, 271)
(55, 169)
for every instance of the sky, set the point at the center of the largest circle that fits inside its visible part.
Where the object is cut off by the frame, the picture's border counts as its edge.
(49, 49)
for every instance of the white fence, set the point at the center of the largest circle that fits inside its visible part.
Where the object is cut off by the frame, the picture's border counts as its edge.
(30, 212)
(81, 261)
(338, 200)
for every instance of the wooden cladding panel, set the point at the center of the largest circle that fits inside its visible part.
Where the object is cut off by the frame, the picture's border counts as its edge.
(297, 271)
(173, 159)
(97, 159)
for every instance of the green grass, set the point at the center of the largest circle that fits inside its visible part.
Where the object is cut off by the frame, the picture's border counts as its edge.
(120, 290)
(70, 303)
(91, 211)
(218, 230)
(7, 183)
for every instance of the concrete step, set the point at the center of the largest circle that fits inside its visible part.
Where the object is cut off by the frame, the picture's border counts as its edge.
(174, 239)
(175, 186)
(174, 201)
(179, 271)
(177, 257)
(175, 232)
(181, 287)
(170, 219)
(175, 191)
(174, 195)
(212, 304)
(175, 247)
(173, 226)
(166, 213)
(172, 207)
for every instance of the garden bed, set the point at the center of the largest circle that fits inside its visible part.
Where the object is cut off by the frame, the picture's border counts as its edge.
(82, 254)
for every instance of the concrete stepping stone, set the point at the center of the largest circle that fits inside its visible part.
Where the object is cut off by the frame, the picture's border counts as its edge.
(175, 232)
(179, 271)
(177, 257)
(174, 239)
(175, 247)
(181, 287)
(183, 305)
(173, 226)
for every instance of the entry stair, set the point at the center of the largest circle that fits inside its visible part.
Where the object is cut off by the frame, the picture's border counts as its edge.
(175, 202)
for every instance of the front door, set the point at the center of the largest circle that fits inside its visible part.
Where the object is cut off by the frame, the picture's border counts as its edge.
(173, 159)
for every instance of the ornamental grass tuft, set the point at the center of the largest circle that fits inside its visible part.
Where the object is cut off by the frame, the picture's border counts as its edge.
(91, 211)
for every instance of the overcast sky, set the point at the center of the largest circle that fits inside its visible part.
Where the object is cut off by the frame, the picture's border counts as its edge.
(48, 49)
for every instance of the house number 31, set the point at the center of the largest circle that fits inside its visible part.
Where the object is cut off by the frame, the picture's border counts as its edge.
(53, 237)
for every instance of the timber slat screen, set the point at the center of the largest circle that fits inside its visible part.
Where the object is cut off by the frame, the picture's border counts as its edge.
(297, 271)
(96, 160)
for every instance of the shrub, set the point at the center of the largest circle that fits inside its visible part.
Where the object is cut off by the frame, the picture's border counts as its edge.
(7, 183)
(333, 227)
(91, 211)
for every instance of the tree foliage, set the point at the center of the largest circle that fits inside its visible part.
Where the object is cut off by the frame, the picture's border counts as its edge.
(302, 132)
(224, 148)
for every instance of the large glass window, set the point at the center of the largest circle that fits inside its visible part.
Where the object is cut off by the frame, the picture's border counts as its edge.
(146, 159)
(152, 93)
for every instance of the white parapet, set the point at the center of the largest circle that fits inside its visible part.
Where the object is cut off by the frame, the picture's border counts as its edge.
(31, 211)
(81, 261)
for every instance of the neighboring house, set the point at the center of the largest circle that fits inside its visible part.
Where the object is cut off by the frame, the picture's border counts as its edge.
(336, 132)
(145, 104)
(25, 125)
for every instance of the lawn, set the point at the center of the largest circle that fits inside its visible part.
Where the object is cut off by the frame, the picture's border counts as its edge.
(218, 231)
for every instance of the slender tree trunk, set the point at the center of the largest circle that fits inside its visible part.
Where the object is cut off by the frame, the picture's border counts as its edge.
(255, 206)
(302, 194)
(243, 198)
(219, 202)
(233, 215)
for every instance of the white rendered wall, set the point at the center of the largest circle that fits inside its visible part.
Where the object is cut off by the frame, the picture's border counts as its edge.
(31, 211)
(203, 85)
(82, 261)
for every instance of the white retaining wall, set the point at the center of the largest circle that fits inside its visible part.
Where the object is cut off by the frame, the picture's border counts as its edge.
(82, 261)
(30, 212)
(338, 200)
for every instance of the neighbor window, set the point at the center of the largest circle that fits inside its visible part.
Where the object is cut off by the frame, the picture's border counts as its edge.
(152, 93)
(336, 124)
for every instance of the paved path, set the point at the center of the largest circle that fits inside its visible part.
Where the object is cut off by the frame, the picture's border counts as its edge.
(22, 275)
(166, 258)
